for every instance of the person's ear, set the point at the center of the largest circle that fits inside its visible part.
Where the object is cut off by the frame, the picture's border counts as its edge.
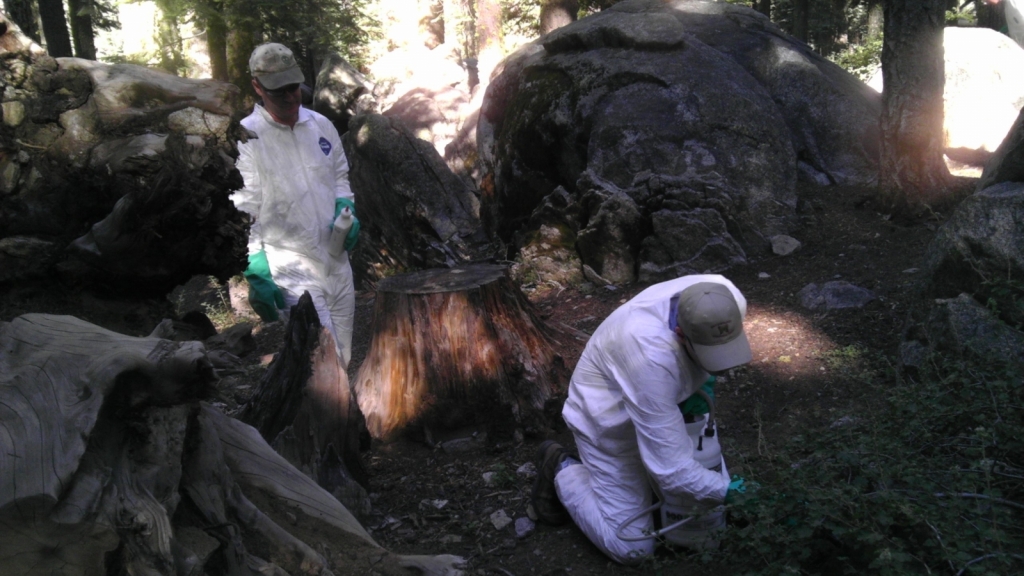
(679, 332)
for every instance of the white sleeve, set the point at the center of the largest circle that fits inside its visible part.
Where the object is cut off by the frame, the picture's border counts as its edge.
(249, 198)
(651, 378)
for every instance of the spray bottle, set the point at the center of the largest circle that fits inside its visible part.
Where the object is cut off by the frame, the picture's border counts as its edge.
(686, 522)
(342, 224)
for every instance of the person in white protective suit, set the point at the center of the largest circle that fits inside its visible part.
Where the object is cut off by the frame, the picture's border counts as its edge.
(298, 194)
(647, 358)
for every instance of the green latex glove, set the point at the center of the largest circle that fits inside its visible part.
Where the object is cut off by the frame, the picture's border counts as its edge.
(695, 404)
(264, 295)
(353, 232)
(735, 487)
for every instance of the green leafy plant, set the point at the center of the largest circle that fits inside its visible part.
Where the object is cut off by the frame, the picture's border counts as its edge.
(928, 480)
(861, 60)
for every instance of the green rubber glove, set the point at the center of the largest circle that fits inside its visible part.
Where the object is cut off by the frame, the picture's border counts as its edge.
(735, 487)
(353, 232)
(264, 295)
(695, 404)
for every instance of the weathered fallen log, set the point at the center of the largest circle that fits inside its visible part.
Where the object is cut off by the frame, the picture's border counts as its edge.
(110, 463)
(115, 174)
(458, 346)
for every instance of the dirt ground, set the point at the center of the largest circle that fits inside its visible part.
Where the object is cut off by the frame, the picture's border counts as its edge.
(434, 500)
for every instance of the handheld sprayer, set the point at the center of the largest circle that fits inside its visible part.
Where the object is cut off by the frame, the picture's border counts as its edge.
(684, 522)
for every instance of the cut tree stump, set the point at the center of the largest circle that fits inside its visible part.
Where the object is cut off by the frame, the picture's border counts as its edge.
(459, 346)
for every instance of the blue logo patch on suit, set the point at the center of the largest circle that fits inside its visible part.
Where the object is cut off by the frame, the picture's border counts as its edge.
(325, 146)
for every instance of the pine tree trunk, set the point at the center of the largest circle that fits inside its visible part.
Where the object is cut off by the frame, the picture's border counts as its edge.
(82, 32)
(912, 172)
(55, 28)
(801, 10)
(241, 40)
(455, 347)
(22, 14)
(217, 46)
(764, 7)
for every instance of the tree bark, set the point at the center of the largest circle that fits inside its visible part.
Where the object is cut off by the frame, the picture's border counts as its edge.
(111, 464)
(303, 407)
(241, 41)
(801, 10)
(217, 41)
(82, 32)
(55, 28)
(458, 346)
(875, 19)
(764, 7)
(912, 172)
(557, 13)
(22, 14)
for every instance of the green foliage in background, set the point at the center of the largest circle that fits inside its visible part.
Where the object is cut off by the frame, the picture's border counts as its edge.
(861, 60)
(929, 480)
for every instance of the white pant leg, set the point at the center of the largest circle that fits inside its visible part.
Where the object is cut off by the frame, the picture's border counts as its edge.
(340, 296)
(604, 492)
(295, 273)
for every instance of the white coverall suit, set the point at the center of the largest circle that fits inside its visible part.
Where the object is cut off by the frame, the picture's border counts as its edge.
(292, 178)
(623, 411)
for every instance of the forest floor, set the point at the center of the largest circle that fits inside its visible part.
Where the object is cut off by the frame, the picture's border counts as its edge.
(808, 372)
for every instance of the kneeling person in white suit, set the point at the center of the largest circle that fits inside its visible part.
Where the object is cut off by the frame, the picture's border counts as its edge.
(298, 194)
(649, 356)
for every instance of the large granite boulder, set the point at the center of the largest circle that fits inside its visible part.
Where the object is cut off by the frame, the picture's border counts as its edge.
(960, 330)
(980, 249)
(678, 130)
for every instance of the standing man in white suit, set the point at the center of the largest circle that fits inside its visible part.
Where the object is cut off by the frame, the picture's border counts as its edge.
(296, 186)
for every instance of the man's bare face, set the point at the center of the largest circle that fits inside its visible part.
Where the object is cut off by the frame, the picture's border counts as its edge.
(282, 103)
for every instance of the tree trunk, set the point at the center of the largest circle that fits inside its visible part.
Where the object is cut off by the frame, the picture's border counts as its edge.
(875, 19)
(24, 16)
(303, 407)
(458, 346)
(912, 172)
(557, 13)
(764, 7)
(241, 41)
(82, 32)
(55, 28)
(801, 10)
(489, 40)
(217, 44)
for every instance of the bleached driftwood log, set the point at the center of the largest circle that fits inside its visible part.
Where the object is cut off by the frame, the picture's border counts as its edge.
(458, 346)
(110, 463)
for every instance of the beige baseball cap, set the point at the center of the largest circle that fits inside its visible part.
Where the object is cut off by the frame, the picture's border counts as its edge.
(275, 66)
(711, 320)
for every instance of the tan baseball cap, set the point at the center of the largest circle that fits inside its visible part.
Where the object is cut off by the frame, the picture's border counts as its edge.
(711, 320)
(275, 66)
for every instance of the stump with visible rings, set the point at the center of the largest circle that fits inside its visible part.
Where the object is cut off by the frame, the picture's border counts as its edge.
(459, 346)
